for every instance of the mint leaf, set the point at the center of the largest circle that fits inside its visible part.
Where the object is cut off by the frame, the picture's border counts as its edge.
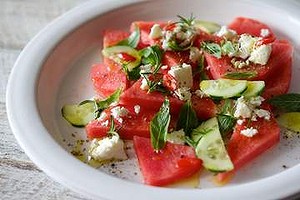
(187, 118)
(103, 104)
(159, 126)
(240, 75)
(226, 124)
(287, 102)
(134, 74)
(133, 39)
(212, 48)
(228, 48)
(152, 56)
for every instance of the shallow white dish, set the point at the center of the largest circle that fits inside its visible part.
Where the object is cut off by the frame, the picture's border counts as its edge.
(53, 70)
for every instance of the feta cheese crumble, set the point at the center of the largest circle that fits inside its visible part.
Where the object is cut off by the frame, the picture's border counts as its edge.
(155, 32)
(195, 54)
(248, 109)
(119, 112)
(249, 132)
(264, 32)
(137, 109)
(242, 109)
(183, 75)
(226, 32)
(183, 93)
(240, 121)
(262, 113)
(108, 148)
(246, 44)
(176, 137)
(144, 85)
(261, 54)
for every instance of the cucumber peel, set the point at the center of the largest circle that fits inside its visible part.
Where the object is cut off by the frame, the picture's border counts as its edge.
(210, 148)
(254, 88)
(81, 114)
(223, 88)
(113, 51)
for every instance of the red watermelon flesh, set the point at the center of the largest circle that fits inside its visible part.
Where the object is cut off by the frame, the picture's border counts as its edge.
(242, 149)
(250, 26)
(106, 81)
(135, 95)
(173, 163)
(112, 37)
(220, 67)
(132, 124)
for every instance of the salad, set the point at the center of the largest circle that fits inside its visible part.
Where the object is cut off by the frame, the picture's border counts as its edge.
(192, 95)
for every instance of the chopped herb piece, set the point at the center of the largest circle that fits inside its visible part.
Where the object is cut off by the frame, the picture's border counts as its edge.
(212, 48)
(286, 102)
(240, 75)
(187, 118)
(159, 126)
(152, 55)
(133, 39)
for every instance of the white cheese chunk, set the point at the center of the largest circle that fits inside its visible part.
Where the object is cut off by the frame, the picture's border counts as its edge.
(108, 148)
(183, 75)
(119, 112)
(246, 44)
(226, 32)
(264, 32)
(261, 54)
(155, 32)
(256, 101)
(249, 132)
(195, 54)
(261, 113)
(137, 109)
(240, 121)
(176, 137)
(242, 109)
(144, 84)
(183, 93)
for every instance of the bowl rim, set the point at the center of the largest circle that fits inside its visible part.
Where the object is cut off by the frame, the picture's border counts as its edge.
(64, 169)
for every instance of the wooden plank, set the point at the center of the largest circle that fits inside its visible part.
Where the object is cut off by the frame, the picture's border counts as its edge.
(19, 22)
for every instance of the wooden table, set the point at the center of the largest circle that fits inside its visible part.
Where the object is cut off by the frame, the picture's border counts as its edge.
(19, 22)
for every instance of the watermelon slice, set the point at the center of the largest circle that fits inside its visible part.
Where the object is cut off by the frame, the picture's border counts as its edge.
(173, 163)
(250, 26)
(219, 68)
(106, 81)
(132, 124)
(135, 95)
(242, 149)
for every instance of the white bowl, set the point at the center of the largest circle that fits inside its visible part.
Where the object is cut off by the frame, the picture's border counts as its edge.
(53, 70)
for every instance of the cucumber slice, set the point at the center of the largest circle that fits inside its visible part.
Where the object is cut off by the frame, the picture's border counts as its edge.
(211, 149)
(81, 114)
(290, 121)
(206, 26)
(223, 88)
(254, 88)
(114, 51)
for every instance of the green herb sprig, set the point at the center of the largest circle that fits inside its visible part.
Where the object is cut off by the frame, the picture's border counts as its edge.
(159, 126)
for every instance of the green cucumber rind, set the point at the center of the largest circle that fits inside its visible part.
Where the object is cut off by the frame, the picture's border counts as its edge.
(86, 113)
(239, 86)
(255, 88)
(213, 139)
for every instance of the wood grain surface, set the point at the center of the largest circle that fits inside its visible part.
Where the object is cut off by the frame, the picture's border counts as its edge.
(20, 20)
